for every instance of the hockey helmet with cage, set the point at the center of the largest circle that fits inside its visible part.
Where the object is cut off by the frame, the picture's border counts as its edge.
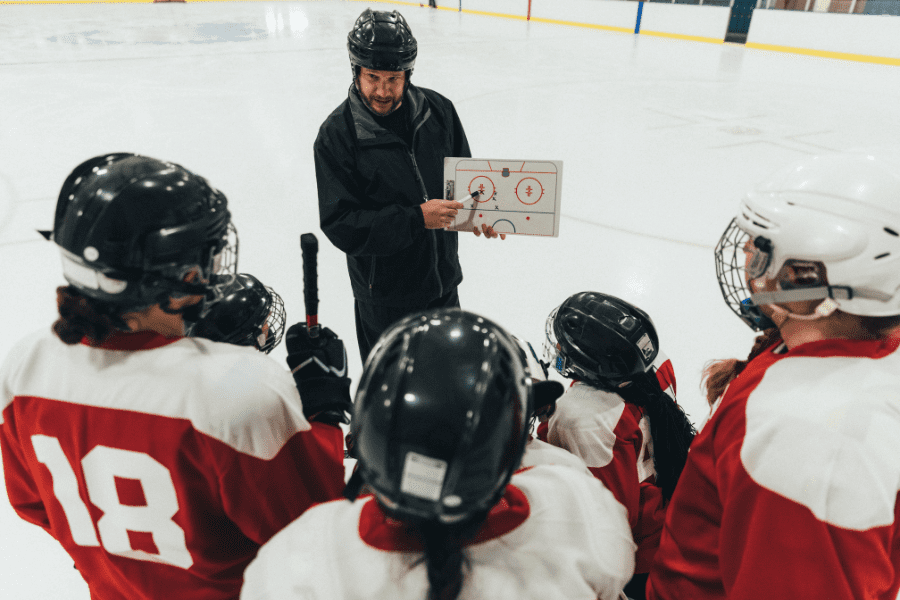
(441, 416)
(382, 41)
(246, 313)
(130, 228)
(600, 339)
(826, 228)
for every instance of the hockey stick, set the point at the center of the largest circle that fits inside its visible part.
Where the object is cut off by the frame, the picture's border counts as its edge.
(309, 249)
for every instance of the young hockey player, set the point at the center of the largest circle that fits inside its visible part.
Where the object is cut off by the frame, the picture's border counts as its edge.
(247, 313)
(617, 416)
(440, 420)
(791, 489)
(160, 463)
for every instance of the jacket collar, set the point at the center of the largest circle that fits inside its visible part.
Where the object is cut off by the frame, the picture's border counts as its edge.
(368, 130)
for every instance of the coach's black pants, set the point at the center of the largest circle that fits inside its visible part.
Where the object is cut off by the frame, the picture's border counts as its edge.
(372, 320)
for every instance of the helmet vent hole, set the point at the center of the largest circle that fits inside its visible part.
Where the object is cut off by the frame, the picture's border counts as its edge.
(882, 255)
(891, 231)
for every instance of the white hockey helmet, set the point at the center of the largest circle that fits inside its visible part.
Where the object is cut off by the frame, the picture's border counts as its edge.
(840, 210)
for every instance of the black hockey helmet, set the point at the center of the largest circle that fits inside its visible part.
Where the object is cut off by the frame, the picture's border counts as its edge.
(131, 227)
(247, 313)
(441, 416)
(382, 41)
(600, 339)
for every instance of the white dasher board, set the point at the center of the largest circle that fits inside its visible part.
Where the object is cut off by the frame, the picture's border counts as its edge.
(518, 196)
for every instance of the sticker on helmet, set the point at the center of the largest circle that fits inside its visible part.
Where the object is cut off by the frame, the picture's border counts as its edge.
(646, 346)
(423, 476)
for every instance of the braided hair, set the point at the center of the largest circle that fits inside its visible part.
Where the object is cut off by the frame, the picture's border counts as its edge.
(82, 317)
(444, 555)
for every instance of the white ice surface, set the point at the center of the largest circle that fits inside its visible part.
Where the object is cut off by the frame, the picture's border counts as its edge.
(660, 138)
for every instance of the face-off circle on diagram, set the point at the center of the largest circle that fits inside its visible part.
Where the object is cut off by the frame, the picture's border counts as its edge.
(485, 186)
(529, 191)
(504, 226)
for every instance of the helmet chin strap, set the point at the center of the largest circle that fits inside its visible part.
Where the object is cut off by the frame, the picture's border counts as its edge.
(826, 308)
(828, 295)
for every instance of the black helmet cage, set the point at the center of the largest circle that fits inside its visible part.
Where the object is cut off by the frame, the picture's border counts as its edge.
(630, 346)
(382, 41)
(384, 383)
(112, 254)
(739, 257)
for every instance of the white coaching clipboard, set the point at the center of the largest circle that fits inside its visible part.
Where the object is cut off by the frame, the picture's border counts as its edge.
(520, 197)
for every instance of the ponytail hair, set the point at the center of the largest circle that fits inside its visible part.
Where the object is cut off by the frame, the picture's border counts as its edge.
(445, 558)
(719, 373)
(82, 317)
(671, 430)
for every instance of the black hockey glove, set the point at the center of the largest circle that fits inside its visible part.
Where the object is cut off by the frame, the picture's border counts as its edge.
(319, 366)
(545, 395)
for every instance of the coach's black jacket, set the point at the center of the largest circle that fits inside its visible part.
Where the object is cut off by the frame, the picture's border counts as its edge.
(370, 187)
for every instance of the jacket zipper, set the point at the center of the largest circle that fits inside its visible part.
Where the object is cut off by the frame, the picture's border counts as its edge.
(372, 274)
(412, 156)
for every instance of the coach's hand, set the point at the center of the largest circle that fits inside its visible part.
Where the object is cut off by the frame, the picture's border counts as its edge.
(439, 213)
(488, 232)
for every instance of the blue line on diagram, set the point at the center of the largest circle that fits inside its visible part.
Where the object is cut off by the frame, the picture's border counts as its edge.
(513, 225)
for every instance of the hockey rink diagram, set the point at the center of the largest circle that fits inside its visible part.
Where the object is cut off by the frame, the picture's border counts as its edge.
(520, 197)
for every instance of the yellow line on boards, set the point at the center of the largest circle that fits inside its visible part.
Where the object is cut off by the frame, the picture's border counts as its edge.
(880, 60)
(79, 2)
(681, 36)
(384, 2)
(465, 10)
(585, 25)
(485, 13)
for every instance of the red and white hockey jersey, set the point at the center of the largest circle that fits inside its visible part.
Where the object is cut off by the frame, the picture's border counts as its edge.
(556, 534)
(791, 489)
(161, 465)
(613, 438)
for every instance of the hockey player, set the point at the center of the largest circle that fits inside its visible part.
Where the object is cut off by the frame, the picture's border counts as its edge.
(247, 313)
(160, 463)
(791, 489)
(379, 160)
(441, 419)
(617, 416)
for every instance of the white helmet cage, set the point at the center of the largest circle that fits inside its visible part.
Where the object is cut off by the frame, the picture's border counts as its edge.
(840, 212)
(227, 260)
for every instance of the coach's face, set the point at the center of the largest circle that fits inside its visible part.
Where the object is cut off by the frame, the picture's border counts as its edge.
(382, 91)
